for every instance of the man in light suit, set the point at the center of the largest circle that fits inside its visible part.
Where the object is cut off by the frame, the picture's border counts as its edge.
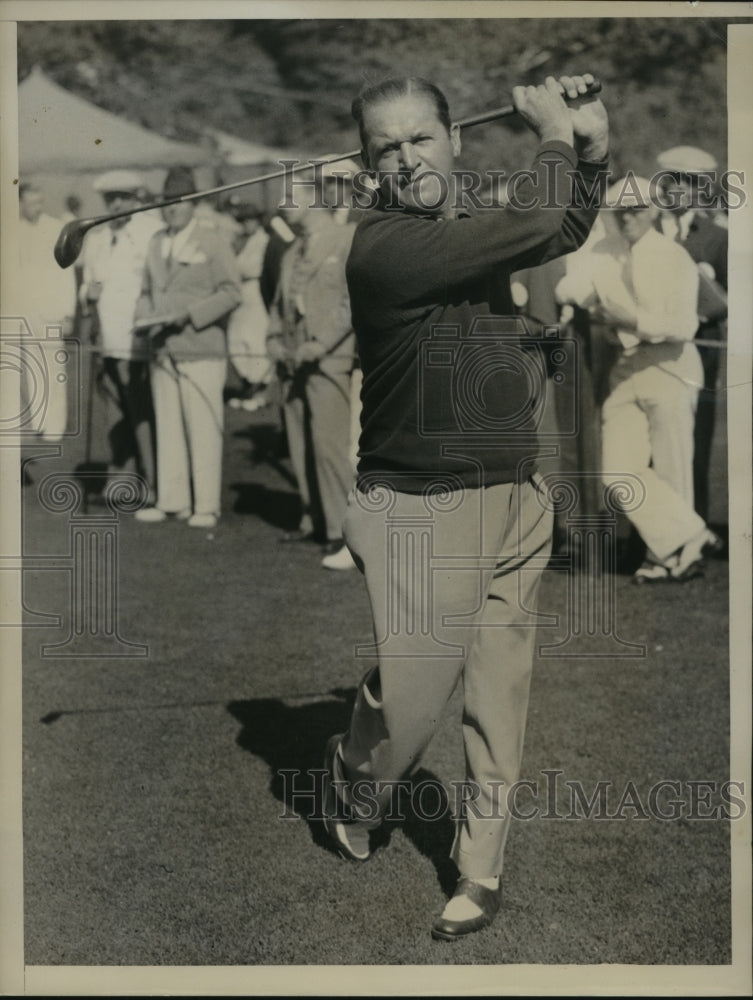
(191, 285)
(311, 339)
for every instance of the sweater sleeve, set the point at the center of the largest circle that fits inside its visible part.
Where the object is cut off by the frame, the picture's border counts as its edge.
(408, 259)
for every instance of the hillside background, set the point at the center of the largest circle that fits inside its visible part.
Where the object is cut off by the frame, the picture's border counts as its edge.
(289, 83)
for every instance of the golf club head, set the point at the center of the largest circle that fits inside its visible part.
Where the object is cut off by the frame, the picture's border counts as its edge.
(71, 239)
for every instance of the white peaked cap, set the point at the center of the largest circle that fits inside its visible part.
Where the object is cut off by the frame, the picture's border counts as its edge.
(686, 160)
(118, 180)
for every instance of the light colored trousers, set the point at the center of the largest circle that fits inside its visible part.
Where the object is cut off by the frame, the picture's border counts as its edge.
(317, 423)
(188, 413)
(647, 431)
(247, 335)
(45, 381)
(453, 588)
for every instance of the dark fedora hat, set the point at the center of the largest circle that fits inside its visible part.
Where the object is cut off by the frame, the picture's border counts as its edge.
(179, 181)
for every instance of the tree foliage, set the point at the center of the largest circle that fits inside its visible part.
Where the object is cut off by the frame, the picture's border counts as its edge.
(290, 82)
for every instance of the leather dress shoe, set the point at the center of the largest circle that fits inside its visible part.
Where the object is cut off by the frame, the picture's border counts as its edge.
(350, 838)
(487, 900)
(155, 515)
(688, 562)
(338, 558)
(651, 572)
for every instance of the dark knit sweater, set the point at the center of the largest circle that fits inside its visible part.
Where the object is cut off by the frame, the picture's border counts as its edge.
(457, 401)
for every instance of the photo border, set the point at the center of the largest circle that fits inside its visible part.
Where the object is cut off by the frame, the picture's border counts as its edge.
(734, 979)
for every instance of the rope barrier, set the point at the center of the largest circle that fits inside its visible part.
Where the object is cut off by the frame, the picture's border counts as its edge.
(96, 349)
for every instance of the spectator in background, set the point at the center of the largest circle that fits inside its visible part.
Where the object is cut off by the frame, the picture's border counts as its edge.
(113, 263)
(73, 211)
(337, 180)
(190, 287)
(687, 172)
(72, 208)
(247, 330)
(207, 214)
(568, 374)
(312, 342)
(645, 288)
(337, 188)
(45, 297)
(280, 237)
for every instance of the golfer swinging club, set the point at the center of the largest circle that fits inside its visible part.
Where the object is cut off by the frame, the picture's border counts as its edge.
(460, 502)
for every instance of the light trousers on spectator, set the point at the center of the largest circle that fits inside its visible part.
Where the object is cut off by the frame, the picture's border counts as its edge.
(647, 432)
(246, 335)
(453, 589)
(356, 384)
(45, 382)
(317, 423)
(188, 412)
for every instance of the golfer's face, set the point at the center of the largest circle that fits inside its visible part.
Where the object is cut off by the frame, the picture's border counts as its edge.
(412, 153)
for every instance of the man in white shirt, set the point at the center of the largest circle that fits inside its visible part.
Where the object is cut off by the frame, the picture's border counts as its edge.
(247, 327)
(688, 175)
(45, 296)
(114, 258)
(645, 287)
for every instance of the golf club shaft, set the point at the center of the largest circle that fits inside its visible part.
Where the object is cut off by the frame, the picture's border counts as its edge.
(72, 233)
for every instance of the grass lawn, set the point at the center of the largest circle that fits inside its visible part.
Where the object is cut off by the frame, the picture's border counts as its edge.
(158, 829)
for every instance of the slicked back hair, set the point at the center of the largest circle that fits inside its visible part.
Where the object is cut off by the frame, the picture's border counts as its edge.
(390, 90)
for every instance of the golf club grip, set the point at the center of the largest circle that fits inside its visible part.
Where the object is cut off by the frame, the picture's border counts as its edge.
(509, 109)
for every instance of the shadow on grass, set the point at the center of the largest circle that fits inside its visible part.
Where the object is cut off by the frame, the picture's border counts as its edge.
(268, 443)
(279, 508)
(92, 475)
(291, 738)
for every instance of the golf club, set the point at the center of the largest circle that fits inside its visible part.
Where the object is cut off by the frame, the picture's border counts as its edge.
(71, 239)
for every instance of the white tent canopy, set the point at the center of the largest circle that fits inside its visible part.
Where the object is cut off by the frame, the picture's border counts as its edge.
(242, 153)
(60, 132)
